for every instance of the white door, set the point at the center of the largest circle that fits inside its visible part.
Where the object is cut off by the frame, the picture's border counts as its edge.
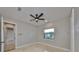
(1, 35)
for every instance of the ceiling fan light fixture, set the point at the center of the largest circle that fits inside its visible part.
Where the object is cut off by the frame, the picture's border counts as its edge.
(46, 21)
(36, 19)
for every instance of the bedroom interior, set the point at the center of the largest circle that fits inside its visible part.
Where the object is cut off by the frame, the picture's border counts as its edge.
(38, 29)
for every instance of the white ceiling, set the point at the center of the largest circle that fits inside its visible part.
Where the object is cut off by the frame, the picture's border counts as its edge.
(50, 13)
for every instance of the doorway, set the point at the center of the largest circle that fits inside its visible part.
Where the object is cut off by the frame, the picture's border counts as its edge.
(9, 36)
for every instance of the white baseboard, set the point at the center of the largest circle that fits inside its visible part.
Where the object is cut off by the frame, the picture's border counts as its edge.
(43, 44)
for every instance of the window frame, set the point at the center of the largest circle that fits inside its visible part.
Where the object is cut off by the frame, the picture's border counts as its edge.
(54, 33)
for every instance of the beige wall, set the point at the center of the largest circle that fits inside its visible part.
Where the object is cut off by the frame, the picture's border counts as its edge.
(62, 33)
(30, 33)
(26, 33)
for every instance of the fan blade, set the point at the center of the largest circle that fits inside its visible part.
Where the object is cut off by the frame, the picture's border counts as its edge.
(40, 15)
(41, 19)
(32, 16)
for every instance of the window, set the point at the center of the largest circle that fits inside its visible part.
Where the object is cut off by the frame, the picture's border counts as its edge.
(49, 33)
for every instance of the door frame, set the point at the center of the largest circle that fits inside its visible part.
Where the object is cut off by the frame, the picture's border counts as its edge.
(15, 31)
(72, 31)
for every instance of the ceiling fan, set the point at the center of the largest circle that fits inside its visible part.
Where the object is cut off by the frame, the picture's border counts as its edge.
(37, 17)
